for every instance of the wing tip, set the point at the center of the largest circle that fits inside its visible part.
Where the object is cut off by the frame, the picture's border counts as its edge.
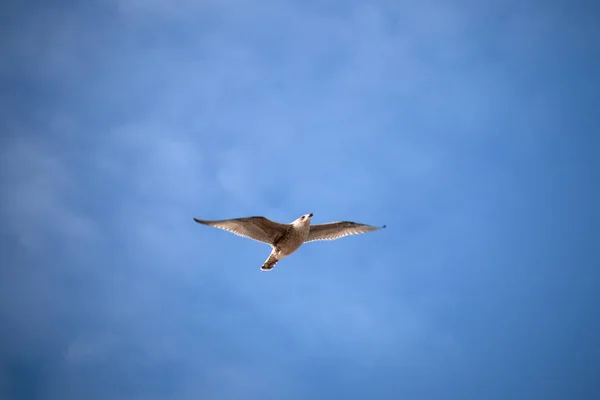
(384, 226)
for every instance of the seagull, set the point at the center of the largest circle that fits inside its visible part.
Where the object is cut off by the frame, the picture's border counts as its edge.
(285, 239)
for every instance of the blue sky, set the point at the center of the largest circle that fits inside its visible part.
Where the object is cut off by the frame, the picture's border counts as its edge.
(470, 129)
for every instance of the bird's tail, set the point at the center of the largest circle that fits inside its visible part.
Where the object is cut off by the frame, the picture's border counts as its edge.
(270, 263)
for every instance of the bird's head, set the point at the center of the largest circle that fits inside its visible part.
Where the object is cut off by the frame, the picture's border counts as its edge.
(303, 220)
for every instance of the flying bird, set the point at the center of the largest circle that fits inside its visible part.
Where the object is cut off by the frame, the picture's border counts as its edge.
(285, 239)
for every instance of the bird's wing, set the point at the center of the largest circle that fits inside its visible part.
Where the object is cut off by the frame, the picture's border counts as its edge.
(336, 230)
(257, 228)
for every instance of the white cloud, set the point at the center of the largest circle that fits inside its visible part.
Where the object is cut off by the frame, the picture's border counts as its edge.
(90, 349)
(37, 183)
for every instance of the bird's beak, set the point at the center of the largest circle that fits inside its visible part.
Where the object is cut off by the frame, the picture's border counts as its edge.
(310, 215)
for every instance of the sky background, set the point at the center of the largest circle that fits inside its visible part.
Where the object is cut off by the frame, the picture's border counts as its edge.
(470, 129)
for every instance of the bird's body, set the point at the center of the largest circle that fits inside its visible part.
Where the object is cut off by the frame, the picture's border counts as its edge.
(285, 239)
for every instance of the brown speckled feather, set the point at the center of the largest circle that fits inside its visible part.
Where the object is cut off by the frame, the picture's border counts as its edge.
(336, 230)
(257, 228)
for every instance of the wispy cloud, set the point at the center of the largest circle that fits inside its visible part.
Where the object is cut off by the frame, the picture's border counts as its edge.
(37, 185)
